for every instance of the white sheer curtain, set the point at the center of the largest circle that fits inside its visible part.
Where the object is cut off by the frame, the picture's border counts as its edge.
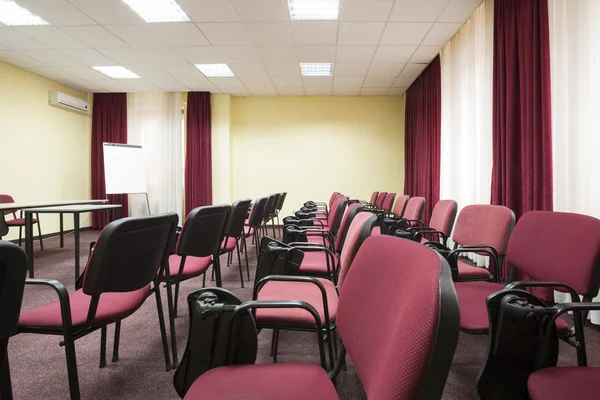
(154, 121)
(575, 65)
(466, 146)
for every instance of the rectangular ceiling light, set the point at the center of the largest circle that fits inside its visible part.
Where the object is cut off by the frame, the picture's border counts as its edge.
(316, 69)
(314, 9)
(13, 14)
(158, 10)
(117, 72)
(215, 70)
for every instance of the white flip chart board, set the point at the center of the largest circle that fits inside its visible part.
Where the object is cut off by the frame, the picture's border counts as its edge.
(124, 169)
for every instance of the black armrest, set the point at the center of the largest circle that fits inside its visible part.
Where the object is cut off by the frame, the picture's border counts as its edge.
(320, 248)
(569, 289)
(488, 250)
(63, 298)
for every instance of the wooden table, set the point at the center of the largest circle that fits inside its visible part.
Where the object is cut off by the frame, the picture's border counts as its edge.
(76, 210)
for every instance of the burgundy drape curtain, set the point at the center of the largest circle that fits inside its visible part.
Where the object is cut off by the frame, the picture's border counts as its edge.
(522, 113)
(198, 157)
(109, 124)
(423, 137)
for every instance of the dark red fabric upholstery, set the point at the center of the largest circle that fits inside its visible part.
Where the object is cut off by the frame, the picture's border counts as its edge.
(315, 263)
(264, 382)
(414, 209)
(304, 291)
(343, 225)
(389, 354)
(112, 307)
(443, 215)
(376, 231)
(194, 266)
(6, 198)
(484, 224)
(388, 201)
(373, 198)
(400, 204)
(581, 383)
(19, 221)
(351, 245)
(469, 271)
(228, 244)
(380, 199)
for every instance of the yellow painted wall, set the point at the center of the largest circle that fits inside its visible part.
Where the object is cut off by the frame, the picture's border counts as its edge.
(221, 147)
(312, 146)
(45, 150)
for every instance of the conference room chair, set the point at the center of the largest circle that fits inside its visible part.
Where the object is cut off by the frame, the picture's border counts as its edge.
(268, 214)
(373, 198)
(325, 207)
(123, 270)
(483, 230)
(400, 205)
(324, 231)
(388, 202)
(391, 358)
(254, 221)
(413, 213)
(234, 233)
(321, 293)
(380, 198)
(20, 222)
(13, 271)
(440, 223)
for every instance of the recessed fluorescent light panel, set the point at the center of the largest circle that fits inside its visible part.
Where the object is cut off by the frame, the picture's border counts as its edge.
(316, 69)
(13, 14)
(158, 10)
(314, 9)
(117, 72)
(215, 70)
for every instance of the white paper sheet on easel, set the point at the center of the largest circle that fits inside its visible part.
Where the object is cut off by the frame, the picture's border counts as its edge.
(124, 169)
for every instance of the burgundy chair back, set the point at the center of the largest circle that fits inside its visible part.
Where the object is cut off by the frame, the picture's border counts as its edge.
(443, 216)
(4, 199)
(203, 231)
(482, 224)
(258, 210)
(349, 215)
(336, 213)
(400, 205)
(360, 229)
(558, 247)
(414, 209)
(334, 196)
(237, 217)
(406, 352)
(388, 201)
(380, 199)
(373, 198)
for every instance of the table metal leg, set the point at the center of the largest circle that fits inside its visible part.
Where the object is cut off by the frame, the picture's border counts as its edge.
(29, 242)
(62, 233)
(76, 227)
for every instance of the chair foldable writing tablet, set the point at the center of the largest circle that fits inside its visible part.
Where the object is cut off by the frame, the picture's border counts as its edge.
(123, 270)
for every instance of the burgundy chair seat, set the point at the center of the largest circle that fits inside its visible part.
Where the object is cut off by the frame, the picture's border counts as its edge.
(194, 266)
(315, 262)
(248, 230)
(264, 382)
(112, 307)
(228, 244)
(305, 291)
(317, 239)
(470, 271)
(376, 231)
(20, 221)
(581, 383)
(473, 309)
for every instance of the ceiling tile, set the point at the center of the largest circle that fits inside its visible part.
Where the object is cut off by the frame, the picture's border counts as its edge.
(239, 92)
(379, 81)
(163, 55)
(200, 85)
(420, 11)
(291, 82)
(95, 36)
(138, 84)
(424, 54)
(85, 73)
(291, 91)
(355, 53)
(441, 33)
(200, 55)
(413, 69)
(20, 60)
(277, 54)
(89, 57)
(351, 70)
(256, 82)
(385, 69)
(405, 33)
(317, 81)
(110, 85)
(169, 85)
(51, 37)
(316, 54)
(52, 58)
(137, 35)
(182, 71)
(209, 10)
(57, 12)
(180, 34)
(404, 81)
(346, 91)
(459, 10)
(231, 34)
(126, 56)
(49, 72)
(283, 70)
(360, 33)
(76, 83)
(270, 33)
(341, 81)
(254, 70)
(316, 33)
(149, 71)
(238, 54)
(399, 54)
(365, 10)
(318, 91)
(373, 91)
(262, 10)
(108, 12)
(396, 91)
(17, 41)
(263, 91)
(227, 84)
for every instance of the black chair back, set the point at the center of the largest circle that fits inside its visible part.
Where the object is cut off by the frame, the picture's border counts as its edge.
(268, 208)
(203, 231)
(237, 217)
(257, 213)
(273, 211)
(281, 201)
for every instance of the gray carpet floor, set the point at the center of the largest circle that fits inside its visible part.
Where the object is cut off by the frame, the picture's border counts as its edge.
(38, 366)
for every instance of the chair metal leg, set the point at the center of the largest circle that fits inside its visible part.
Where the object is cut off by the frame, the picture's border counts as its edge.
(256, 243)
(273, 228)
(237, 247)
(171, 320)
(275, 345)
(330, 346)
(115, 356)
(334, 338)
(176, 299)
(39, 231)
(103, 347)
(163, 332)
(71, 364)
(245, 247)
(20, 235)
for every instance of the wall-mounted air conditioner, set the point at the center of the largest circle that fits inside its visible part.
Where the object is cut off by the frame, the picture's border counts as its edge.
(65, 101)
